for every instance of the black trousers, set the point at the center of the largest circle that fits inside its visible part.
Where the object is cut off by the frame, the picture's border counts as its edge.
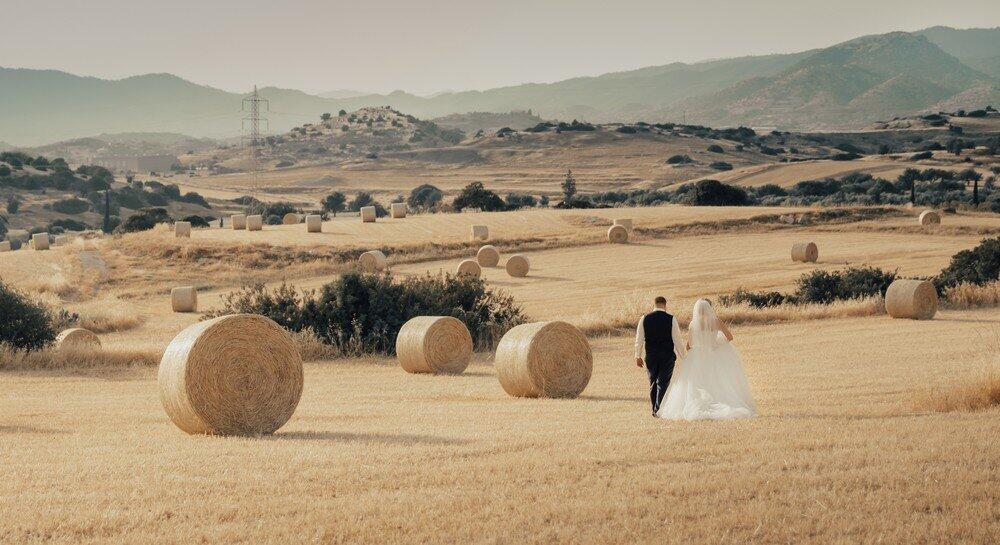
(660, 368)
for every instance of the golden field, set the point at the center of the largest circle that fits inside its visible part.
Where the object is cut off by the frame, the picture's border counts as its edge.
(849, 445)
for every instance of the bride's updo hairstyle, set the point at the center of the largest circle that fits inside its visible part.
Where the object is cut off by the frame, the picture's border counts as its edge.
(703, 317)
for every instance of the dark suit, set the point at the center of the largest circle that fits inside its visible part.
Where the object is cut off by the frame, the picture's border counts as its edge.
(660, 356)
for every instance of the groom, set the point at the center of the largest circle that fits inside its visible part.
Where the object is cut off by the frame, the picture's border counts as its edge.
(658, 336)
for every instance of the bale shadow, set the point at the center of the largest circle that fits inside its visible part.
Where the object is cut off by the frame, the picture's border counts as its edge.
(345, 437)
(614, 398)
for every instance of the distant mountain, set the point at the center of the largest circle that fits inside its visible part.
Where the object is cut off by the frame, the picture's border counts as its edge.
(838, 87)
(473, 122)
(84, 150)
(847, 86)
(342, 93)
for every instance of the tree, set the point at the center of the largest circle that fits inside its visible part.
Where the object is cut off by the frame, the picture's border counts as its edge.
(342, 113)
(569, 187)
(955, 146)
(908, 180)
(325, 117)
(424, 197)
(475, 195)
(13, 205)
(970, 175)
(334, 202)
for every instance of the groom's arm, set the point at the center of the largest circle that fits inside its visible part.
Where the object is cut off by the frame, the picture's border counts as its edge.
(680, 349)
(640, 342)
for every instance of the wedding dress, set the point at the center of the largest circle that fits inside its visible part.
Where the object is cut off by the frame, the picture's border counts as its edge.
(709, 383)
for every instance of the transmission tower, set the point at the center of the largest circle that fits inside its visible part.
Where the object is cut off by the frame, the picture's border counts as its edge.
(252, 104)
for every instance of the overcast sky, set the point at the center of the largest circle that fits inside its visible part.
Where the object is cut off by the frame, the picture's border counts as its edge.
(428, 46)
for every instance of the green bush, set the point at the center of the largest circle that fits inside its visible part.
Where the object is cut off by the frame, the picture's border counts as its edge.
(852, 283)
(716, 193)
(475, 195)
(25, 324)
(71, 206)
(721, 165)
(196, 220)
(759, 299)
(362, 313)
(979, 265)
(424, 197)
(679, 160)
(715, 148)
(144, 220)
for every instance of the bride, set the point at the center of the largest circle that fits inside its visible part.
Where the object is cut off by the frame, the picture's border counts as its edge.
(709, 383)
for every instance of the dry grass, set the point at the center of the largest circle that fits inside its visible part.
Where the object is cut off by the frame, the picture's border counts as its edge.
(312, 348)
(978, 392)
(75, 358)
(964, 296)
(106, 314)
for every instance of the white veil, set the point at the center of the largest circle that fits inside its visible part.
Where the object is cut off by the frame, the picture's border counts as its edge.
(704, 326)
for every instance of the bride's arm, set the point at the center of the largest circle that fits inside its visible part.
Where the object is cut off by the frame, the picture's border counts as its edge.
(725, 330)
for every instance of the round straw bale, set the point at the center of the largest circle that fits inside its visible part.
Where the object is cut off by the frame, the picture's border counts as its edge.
(182, 229)
(5, 246)
(255, 222)
(239, 374)
(624, 222)
(238, 221)
(368, 214)
(618, 234)
(929, 217)
(517, 265)
(63, 240)
(470, 267)
(480, 232)
(40, 241)
(372, 261)
(314, 223)
(77, 337)
(544, 359)
(398, 210)
(434, 344)
(488, 256)
(914, 299)
(806, 252)
(291, 218)
(184, 299)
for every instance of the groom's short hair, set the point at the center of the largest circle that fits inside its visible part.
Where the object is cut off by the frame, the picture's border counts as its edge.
(660, 300)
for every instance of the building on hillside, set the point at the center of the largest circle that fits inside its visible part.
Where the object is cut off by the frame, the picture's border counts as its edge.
(136, 163)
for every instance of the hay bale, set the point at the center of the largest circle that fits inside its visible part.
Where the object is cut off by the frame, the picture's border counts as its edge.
(805, 252)
(239, 374)
(77, 337)
(488, 256)
(913, 299)
(40, 241)
(291, 218)
(544, 359)
(373, 261)
(434, 344)
(184, 299)
(255, 222)
(314, 223)
(368, 214)
(618, 234)
(480, 232)
(929, 217)
(624, 222)
(63, 240)
(5, 246)
(469, 267)
(517, 265)
(398, 210)
(182, 229)
(238, 222)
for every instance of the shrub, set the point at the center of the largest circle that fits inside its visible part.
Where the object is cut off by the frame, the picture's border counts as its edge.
(195, 198)
(475, 195)
(715, 193)
(196, 220)
(24, 324)
(424, 197)
(270, 209)
(715, 148)
(13, 205)
(921, 156)
(721, 165)
(755, 299)
(144, 220)
(853, 283)
(679, 160)
(334, 202)
(71, 206)
(847, 156)
(364, 199)
(979, 265)
(67, 224)
(362, 313)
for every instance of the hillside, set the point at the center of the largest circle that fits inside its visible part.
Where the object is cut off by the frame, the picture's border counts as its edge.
(472, 122)
(82, 150)
(832, 88)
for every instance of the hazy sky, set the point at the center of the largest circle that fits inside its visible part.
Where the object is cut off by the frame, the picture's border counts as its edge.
(428, 46)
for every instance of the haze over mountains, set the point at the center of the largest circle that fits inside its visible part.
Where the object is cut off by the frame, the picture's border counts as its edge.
(845, 86)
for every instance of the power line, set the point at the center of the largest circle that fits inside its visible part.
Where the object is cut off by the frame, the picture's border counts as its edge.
(253, 145)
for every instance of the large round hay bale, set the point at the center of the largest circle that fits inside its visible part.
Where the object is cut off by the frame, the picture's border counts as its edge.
(314, 223)
(372, 261)
(368, 214)
(77, 337)
(624, 222)
(929, 217)
(618, 234)
(184, 299)
(913, 299)
(544, 359)
(480, 232)
(255, 222)
(805, 252)
(239, 374)
(238, 222)
(397, 210)
(488, 256)
(40, 241)
(469, 267)
(434, 344)
(291, 218)
(518, 265)
(182, 229)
